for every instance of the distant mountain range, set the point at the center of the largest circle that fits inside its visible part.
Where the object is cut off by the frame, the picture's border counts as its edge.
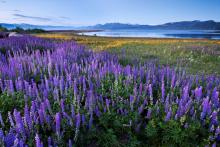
(30, 26)
(183, 25)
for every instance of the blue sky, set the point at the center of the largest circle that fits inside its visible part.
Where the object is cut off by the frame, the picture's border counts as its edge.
(90, 12)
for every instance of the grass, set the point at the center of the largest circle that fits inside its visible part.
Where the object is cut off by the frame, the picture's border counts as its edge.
(196, 55)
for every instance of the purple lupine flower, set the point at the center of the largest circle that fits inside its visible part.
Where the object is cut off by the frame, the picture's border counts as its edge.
(70, 143)
(214, 118)
(198, 93)
(140, 109)
(75, 89)
(78, 120)
(11, 86)
(173, 80)
(83, 119)
(167, 103)
(47, 102)
(185, 92)
(162, 92)
(1, 121)
(41, 116)
(150, 91)
(58, 123)
(186, 125)
(131, 102)
(217, 131)
(206, 108)
(37, 141)
(107, 101)
(9, 139)
(169, 115)
(97, 112)
(62, 105)
(19, 122)
(65, 115)
(140, 89)
(186, 107)
(49, 141)
(215, 97)
(214, 144)
(16, 142)
(27, 118)
(11, 119)
(21, 143)
(1, 135)
(90, 121)
(72, 111)
(149, 113)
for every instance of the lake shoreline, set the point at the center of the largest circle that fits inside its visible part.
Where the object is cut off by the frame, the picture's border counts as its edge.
(185, 34)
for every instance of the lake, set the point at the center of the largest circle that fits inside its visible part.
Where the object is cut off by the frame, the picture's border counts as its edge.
(206, 34)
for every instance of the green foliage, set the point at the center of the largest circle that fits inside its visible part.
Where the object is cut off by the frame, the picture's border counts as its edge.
(11, 102)
(18, 30)
(35, 31)
(172, 133)
(3, 29)
(29, 31)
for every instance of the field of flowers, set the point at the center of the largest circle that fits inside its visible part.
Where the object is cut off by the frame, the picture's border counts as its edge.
(198, 56)
(60, 93)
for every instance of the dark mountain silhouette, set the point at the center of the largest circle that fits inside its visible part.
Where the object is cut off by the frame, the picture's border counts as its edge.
(183, 25)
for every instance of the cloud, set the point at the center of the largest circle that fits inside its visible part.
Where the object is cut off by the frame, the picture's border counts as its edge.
(16, 10)
(32, 17)
(2, 1)
(64, 17)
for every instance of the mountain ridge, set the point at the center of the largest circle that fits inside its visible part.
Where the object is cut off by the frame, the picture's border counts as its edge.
(181, 25)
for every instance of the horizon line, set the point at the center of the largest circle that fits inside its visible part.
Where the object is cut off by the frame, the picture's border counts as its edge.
(54, 25)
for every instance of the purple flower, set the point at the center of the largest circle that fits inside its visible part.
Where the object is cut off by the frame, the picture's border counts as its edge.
(206, 108)
(37, 141)
(214, 144)
(62, 105)
(83, 119)
(49, 141)
(90, 120)
(168, 116)
(162, 92)
(149, 113)
(173, 79)
(131, 102)
(214, 118)
(72, 111)
(107, 101)
(58, 121)
(140, 109)
(19, 122)
(27, 117)
(1, 135)
(70, 143)
(198, 93)
(41, 116)
(185, 93)
(150, 91)
(11, 120)
(1, 121)
(9, 139)
(215, 97)
(78, 120)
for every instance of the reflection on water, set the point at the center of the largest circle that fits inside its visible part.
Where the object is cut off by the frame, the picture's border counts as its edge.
(158, 33)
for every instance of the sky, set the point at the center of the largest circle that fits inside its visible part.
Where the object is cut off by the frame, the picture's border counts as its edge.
(91, 12)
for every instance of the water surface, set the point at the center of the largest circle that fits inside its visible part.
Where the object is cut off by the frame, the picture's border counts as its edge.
(206, 34)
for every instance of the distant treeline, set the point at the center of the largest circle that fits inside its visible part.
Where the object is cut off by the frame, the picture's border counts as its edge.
(21, 30)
